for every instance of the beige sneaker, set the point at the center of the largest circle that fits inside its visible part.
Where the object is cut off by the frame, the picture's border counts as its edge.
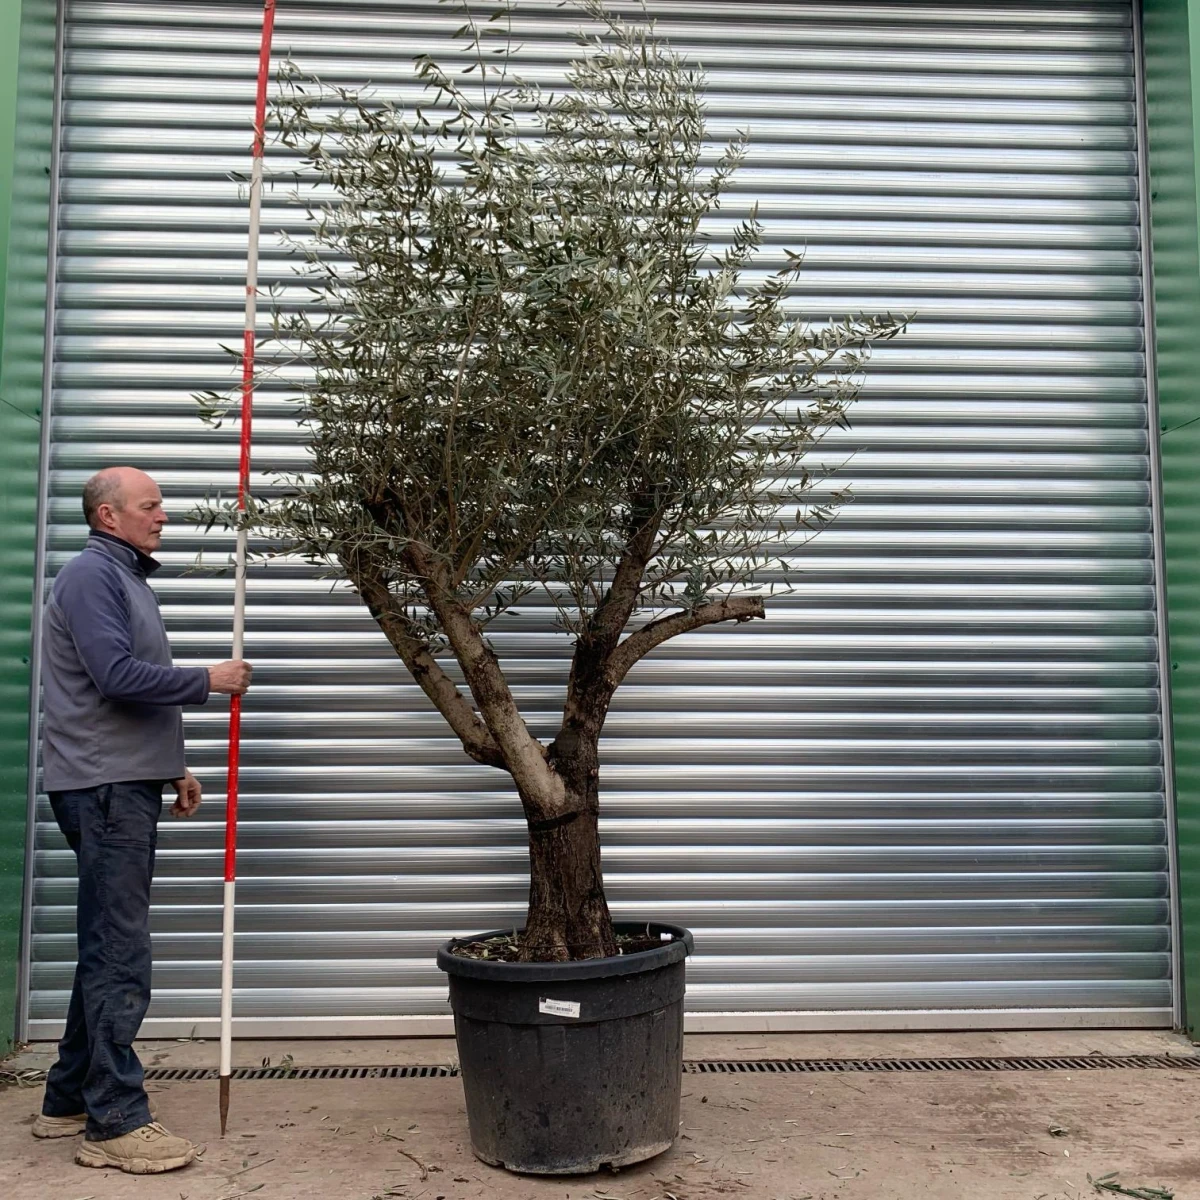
(56, 1127)
(60, 1127)
(146, 1151)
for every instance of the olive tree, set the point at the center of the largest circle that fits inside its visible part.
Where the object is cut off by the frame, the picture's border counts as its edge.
(534, 368)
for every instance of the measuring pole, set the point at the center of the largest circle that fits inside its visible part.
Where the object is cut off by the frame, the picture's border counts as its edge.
(239, 586)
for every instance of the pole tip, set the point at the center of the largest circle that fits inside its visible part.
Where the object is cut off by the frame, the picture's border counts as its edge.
(224, 1103)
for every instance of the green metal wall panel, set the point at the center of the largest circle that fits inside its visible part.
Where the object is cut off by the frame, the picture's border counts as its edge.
(27, 38)
(10, 32)
(11, 848)
(1172, 48)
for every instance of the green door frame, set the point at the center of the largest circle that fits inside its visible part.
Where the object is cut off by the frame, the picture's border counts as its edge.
(28, 33)
(1171, 35)
(1171, 39)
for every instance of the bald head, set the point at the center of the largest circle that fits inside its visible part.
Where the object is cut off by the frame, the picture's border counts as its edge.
(126, 503)
(103, 488)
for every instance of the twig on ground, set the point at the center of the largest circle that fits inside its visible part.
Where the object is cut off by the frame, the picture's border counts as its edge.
(1108, 1183)
(424, 1169)
(387, 1133)
(252, 1167)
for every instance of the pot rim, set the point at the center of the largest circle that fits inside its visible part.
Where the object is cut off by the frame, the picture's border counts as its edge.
(674, 951)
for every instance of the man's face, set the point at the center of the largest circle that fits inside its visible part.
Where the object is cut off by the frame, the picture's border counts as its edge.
(137, 517)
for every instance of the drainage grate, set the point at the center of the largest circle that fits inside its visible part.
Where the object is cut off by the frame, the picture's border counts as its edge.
(198, 1074)
(817, 1066)
(784, 1066)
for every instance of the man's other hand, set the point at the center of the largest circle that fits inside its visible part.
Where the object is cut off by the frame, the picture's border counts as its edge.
(230, 678)
(188, 789)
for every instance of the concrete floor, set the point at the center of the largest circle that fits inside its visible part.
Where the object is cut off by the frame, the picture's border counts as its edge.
(770, 1137)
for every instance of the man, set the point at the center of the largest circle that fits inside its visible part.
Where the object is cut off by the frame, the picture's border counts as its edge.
(112, 737)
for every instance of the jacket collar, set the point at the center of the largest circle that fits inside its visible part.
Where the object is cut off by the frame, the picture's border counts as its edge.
(123, 552)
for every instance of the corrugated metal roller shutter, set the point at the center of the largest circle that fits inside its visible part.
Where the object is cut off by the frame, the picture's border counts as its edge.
(930, 781)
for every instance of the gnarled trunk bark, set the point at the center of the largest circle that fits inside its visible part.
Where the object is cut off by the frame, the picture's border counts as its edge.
(568, 914)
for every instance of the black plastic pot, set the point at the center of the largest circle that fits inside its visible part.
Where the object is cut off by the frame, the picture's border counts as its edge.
(570, 1067)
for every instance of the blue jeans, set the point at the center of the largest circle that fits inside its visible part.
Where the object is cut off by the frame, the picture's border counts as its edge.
(113, 830)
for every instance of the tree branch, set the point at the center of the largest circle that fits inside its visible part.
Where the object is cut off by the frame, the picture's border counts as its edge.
(524, 757)
(611, 617)
(426, 670)
(637, 645)
(588, 693)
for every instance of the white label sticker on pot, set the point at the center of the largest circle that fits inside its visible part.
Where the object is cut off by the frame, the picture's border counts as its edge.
(559, 1008)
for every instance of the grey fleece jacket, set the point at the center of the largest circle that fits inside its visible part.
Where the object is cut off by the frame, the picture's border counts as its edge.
(111, 696)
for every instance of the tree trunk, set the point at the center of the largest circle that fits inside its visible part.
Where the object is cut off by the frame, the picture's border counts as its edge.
(568, 914)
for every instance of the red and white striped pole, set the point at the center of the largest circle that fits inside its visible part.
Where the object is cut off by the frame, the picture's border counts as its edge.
(239, 586)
